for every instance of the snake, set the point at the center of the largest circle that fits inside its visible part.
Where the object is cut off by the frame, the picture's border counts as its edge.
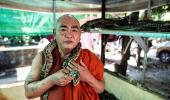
(48, 61)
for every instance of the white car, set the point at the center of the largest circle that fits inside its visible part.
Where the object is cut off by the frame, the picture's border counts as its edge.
(163, 52)
(159, 51)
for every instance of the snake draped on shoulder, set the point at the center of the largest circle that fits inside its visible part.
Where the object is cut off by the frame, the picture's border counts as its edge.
(48, 62)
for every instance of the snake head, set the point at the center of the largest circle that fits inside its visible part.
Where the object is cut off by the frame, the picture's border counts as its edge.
(76, 75)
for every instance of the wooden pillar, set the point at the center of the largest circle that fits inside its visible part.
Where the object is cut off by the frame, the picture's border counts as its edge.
(103, 37)
(54, 17)
(139, 49)
(103, 44)
(122, 67)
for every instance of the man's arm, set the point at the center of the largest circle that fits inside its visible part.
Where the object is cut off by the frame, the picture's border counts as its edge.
(97, 85)
(33, 86)
(86, 76)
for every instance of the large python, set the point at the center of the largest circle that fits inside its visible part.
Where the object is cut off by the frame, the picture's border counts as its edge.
(48, 62)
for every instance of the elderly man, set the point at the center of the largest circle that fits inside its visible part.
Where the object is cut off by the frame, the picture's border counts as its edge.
(64, 71)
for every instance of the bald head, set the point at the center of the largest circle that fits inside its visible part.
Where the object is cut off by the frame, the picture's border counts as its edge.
(67, 17)
(68, 32)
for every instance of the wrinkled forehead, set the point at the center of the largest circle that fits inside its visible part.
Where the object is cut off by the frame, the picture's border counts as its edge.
(68, 20)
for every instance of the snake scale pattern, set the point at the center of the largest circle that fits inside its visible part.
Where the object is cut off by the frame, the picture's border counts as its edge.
(48, 61)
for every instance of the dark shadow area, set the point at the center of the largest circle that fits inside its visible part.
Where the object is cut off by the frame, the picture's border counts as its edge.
(107, 96)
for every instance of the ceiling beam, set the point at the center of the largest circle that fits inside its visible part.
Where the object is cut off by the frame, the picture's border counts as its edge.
(27, 7)
(134, 5)
(75, 6)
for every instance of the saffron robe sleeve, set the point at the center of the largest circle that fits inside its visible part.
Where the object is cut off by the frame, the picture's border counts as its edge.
(83, 91)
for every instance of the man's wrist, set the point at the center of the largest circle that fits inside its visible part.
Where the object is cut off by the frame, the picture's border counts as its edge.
(52, 80)
(91, 81)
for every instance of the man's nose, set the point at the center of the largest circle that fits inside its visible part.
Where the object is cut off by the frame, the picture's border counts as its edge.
(68, 34)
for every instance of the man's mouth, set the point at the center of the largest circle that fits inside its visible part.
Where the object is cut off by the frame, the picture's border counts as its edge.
(68, 41)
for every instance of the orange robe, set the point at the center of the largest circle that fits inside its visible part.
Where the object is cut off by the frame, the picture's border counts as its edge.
(82, 91)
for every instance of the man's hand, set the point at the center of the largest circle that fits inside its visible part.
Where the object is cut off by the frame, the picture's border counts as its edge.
(85, 74)
(61, 78)
(87, 77)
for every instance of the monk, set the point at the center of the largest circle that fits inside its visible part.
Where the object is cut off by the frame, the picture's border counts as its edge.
(63, 70)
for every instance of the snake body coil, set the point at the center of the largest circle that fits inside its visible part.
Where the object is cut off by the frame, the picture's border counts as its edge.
(48, 61)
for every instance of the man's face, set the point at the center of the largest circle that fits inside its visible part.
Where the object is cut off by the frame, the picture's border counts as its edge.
(68, 32)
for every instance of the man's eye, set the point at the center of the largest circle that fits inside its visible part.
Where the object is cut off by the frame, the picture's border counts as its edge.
(74, 30)
(63, 29)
